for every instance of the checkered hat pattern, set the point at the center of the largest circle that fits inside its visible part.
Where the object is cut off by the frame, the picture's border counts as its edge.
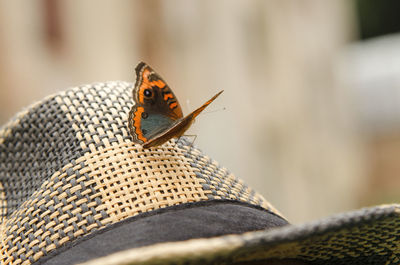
(68, 167)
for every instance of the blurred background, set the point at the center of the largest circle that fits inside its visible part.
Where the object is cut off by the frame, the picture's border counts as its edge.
(312, 88)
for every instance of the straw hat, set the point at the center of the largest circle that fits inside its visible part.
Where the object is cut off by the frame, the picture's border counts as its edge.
(74, 188)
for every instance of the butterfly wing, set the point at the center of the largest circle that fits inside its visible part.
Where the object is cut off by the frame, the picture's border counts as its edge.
(144, 129)
(156, 107)
(179, 127)
(162, 99)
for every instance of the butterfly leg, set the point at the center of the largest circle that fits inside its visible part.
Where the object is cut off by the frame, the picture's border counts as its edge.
(176, 142)
(194, 138)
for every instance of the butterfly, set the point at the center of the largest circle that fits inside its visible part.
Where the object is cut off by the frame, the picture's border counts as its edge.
(157, 116)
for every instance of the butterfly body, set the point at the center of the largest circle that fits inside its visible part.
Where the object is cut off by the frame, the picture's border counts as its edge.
(157, 116)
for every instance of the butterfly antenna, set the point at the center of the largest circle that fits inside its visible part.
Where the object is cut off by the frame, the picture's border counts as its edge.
(216, 110)
(199, 110)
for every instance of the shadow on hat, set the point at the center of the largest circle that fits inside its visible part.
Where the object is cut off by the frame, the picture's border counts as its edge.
(74, 188)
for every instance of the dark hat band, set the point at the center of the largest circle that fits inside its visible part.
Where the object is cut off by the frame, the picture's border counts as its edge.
(176, 223)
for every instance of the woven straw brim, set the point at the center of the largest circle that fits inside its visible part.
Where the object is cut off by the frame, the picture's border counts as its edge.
(367, 236)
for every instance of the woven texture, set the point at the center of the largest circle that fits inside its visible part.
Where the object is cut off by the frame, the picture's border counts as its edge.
(368, 236)
(68, 167)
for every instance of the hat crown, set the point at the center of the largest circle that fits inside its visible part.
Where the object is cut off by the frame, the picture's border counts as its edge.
(68, 167)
